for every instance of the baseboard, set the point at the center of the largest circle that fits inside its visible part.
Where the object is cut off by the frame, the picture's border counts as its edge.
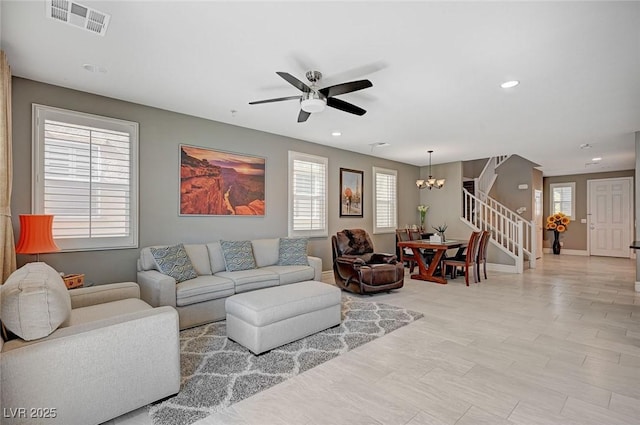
(503, 268)
(327, 276)
(580, 252)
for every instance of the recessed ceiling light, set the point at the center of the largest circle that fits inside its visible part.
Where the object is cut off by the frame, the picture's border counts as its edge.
(336, 133)
(585, 146)
(596, 159)
(509, 84)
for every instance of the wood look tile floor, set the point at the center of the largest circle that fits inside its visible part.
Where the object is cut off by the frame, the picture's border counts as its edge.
(559, 344)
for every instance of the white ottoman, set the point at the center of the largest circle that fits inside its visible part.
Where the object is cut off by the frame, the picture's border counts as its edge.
(268, 318)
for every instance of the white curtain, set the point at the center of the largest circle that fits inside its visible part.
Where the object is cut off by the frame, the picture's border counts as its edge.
(7, 244)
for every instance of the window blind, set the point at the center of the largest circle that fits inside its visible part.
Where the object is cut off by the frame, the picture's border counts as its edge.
(87, 181)
(308, 195)
(562, 198)
(385, 202)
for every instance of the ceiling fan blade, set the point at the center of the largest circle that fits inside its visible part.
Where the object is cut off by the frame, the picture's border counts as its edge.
(345, 106)
(343, 88)
(294, 82)
(303, 115)
(277, 99)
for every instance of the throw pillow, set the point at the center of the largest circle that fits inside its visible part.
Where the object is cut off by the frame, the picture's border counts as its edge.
(174, 261)
(293, 252)
(35, 301)
(238, 255)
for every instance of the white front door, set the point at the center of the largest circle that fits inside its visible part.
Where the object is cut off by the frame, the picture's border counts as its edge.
(610, 231)
(537, 218)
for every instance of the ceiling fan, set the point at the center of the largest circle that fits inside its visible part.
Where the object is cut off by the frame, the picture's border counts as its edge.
(314, 99)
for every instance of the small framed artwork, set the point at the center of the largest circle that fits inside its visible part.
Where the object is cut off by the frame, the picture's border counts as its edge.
(351, 193)
(214, 182)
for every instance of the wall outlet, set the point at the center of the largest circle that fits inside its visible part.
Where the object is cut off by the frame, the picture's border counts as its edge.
(561, 243)
(583, 220)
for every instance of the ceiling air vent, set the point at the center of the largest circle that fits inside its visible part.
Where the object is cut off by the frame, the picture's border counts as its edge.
(77, 15)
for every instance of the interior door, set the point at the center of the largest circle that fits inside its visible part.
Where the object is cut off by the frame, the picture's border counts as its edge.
(538, 220)
(610, 231)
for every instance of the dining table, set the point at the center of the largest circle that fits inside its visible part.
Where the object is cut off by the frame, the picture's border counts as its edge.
(427, 272)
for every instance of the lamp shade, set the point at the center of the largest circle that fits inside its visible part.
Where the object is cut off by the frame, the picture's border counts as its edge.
(36, 234)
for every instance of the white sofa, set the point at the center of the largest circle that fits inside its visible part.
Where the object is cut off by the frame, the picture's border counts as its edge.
(82, 356)
(202, 299)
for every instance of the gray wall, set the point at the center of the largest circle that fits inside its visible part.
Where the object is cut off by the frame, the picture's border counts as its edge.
(445, 205)
(512, 173)
(473, 169)
(576, 235)
(160, 134)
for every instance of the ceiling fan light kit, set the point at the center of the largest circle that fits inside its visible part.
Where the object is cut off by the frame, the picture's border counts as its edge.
(314, 100)
(431, 182)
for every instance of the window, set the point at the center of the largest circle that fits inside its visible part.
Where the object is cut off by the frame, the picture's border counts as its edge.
(86, 174)
(385, 210)
(563, 198)
(307, 195)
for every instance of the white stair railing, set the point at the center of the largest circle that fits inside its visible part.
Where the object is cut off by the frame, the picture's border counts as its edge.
(488, 176)
(509, 232)
(501, 158)
(486, 179)
(529, 240)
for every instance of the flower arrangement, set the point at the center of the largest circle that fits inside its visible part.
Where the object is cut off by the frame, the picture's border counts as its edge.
(440, 229)
(423, 212)
(558, 222)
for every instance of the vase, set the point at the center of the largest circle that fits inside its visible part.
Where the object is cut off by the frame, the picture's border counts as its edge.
(556, 243)
(442, 237)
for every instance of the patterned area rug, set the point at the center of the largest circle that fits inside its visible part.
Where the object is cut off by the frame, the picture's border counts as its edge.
(217, 372)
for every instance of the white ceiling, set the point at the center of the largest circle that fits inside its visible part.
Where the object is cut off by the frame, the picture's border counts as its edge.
(436, 68)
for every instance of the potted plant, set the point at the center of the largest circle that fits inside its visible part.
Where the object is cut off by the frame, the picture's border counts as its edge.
(440, 229)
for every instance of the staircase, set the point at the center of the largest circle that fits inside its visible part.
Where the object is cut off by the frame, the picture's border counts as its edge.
(488, 175)
(509, 232)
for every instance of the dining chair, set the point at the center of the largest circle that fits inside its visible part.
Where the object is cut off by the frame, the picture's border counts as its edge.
(482, 253)
(469, 262)
(405, 255)
(414, 234)
(427, 254)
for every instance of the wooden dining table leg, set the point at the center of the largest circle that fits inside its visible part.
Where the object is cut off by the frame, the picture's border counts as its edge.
(428, 273)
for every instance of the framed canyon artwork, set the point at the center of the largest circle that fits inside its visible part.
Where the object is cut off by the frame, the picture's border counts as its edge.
(214, 182)
(351, 193)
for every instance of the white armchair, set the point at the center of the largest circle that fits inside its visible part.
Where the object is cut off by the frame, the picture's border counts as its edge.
(113, 354)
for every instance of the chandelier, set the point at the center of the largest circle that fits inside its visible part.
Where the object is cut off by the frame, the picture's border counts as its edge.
(430, 183)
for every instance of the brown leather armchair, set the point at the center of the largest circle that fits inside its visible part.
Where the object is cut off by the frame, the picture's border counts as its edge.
(357, 268)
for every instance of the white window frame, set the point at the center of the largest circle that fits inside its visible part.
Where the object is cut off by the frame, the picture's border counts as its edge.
(41, 113)
(572, 186)
(322, 230)
(391, 228)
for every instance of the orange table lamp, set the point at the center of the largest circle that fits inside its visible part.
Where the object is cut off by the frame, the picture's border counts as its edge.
(36, 235)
